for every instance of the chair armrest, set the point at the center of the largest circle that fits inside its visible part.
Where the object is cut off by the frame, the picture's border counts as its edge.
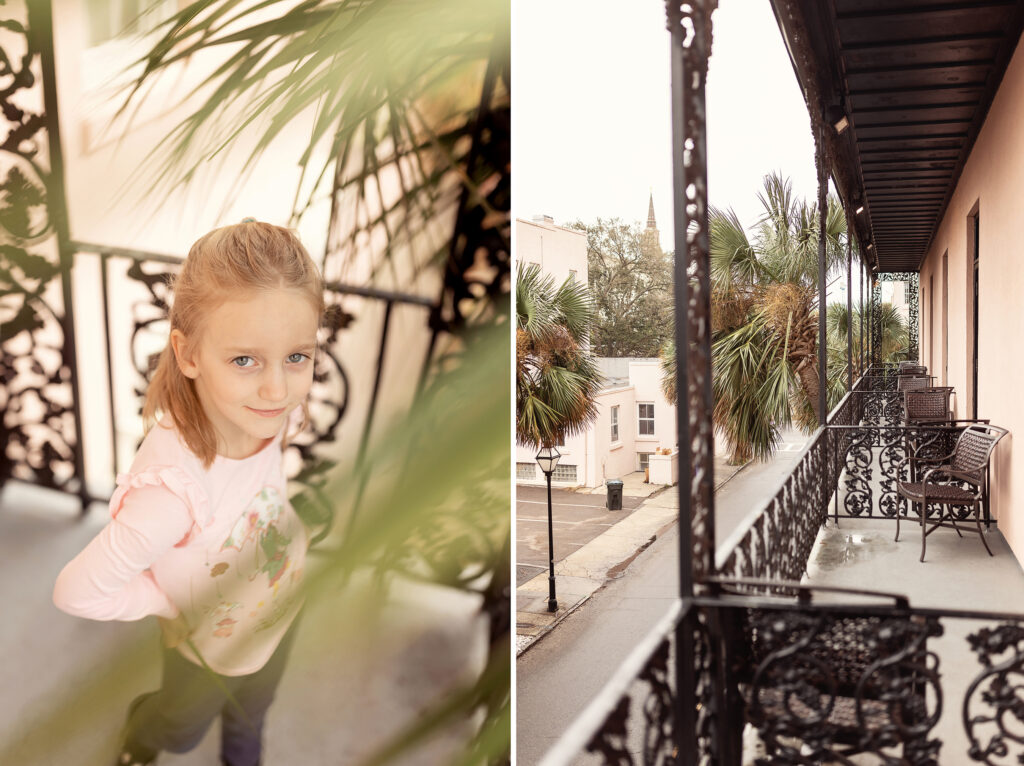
(915, 459)
(948, 471)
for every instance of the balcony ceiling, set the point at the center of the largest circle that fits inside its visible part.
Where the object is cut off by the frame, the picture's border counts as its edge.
(915, 79)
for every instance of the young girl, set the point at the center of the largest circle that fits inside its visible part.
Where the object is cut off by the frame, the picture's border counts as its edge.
(202, 534)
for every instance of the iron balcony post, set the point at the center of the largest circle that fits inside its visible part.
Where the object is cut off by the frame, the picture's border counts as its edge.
(40, 22)
(820, 164)
(849, 308)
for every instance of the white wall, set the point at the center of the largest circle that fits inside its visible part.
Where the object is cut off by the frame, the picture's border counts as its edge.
(555, 249)
(615, 459)
(596, 456)
(645, 375)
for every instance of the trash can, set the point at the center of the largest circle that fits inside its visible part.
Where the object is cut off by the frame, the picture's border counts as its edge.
(614, 490)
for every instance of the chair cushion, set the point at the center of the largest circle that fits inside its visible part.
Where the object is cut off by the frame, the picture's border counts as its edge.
(940, 492)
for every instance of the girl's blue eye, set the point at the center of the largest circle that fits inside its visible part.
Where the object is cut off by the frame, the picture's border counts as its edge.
(242, 361)
(297, 358)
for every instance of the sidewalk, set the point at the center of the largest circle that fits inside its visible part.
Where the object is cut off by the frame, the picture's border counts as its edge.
(582, 573)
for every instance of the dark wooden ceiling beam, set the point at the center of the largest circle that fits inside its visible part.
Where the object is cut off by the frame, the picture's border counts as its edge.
(921, 42)
(958, 137)
(931, 66)
(903, 90)
(958, 8)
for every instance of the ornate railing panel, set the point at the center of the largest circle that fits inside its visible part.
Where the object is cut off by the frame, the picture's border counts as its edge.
(913, 297)
(642, 690)
(819, 682)
(40, 427)
(776, 542)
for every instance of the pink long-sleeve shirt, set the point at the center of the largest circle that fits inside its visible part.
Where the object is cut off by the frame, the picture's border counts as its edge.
(221, 546)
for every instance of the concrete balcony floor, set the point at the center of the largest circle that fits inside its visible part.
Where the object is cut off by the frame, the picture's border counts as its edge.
(956, 574)
(355, 677)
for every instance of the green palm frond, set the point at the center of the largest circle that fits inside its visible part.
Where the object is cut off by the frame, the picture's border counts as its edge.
(380, 84)
(557, 378)
(752, 386)
(734, 261)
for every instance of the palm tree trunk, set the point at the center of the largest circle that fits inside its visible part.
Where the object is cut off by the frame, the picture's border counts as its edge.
(807, 372)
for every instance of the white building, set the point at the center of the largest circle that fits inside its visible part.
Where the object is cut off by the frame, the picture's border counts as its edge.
(634, 419)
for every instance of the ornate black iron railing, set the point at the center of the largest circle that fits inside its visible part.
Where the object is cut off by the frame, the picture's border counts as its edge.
(779, 672)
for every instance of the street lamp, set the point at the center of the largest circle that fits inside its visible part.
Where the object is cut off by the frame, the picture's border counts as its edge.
(547, 459)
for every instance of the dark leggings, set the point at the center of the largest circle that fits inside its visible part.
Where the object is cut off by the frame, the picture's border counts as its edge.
(176, 717)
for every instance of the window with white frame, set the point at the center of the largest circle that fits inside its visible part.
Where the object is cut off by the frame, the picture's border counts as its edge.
(526, 471)
(564, 473)
(643, 460)
(615, 423)
(645, 419)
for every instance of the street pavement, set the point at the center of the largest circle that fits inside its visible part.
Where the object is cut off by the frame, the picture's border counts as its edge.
(571, 659)
(576, 518)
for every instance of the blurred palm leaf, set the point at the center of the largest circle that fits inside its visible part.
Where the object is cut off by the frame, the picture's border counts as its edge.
(395, 93)
(894, 347)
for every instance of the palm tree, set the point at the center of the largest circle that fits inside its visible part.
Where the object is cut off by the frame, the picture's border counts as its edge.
(556, 375)
(764, 317)
(894, 346)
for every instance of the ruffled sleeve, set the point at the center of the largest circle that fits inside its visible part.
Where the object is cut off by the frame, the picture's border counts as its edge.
(152, 511)
(176, 481)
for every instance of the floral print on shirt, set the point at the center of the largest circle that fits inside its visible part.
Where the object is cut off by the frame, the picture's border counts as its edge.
(258, 542)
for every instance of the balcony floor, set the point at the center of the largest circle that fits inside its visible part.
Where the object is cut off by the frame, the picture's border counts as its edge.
(956, 574)
(350, 684)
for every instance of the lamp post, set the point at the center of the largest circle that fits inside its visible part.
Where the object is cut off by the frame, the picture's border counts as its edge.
(547, 459)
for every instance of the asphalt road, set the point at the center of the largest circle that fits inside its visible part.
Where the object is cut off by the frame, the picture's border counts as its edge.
(576, 518)
(562, 673)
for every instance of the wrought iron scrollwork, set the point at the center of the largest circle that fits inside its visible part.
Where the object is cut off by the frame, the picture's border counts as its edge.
(38, 411)
(778, 544)
(993, 714)
(859, 457)
(649, 702)
(829, 684)
(912, 278)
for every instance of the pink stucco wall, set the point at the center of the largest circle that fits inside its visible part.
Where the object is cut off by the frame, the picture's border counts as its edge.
(992, 180)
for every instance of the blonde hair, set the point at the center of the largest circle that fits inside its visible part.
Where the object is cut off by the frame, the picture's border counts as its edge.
(243, 257)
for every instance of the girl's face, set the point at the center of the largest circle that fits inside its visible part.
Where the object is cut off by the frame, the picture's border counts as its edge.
(252, 365)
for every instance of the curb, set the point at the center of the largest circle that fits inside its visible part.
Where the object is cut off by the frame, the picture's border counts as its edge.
(616, 570)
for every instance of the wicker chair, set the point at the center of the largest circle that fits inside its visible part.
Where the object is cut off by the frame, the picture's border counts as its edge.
(927, 404)
(967, 464)
(913, 369)
(912, 382)
(905, 364)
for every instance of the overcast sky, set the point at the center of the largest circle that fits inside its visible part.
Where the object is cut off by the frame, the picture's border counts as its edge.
(591, 115)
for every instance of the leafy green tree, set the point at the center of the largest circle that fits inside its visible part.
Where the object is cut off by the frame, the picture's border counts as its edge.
(556, 375)
(631, 287)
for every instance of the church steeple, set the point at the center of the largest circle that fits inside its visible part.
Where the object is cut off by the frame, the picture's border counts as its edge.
(650, 239)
